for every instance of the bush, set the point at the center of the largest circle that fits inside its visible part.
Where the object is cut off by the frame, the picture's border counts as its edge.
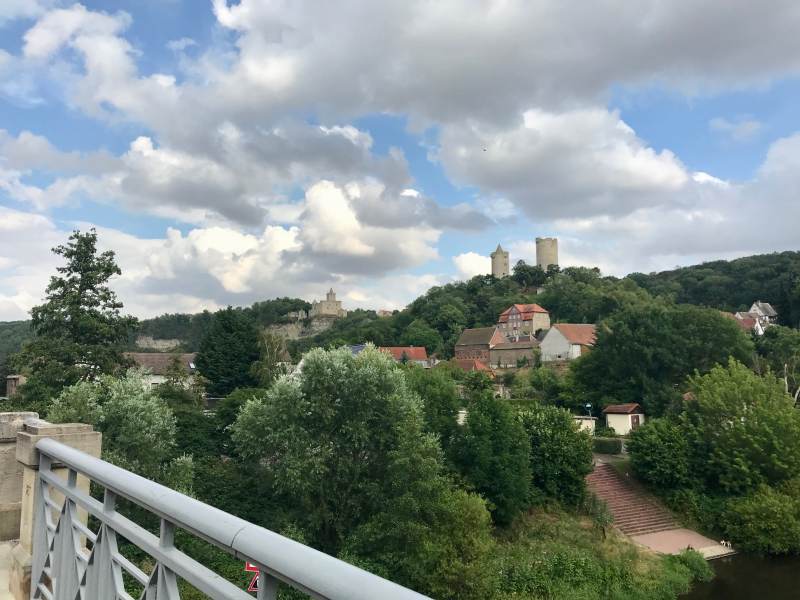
(561, 455)
(697, 565)
(767, 521)
(607, 445)
(660, 454)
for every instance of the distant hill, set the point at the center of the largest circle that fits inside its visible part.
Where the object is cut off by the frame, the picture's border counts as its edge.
(735, 284)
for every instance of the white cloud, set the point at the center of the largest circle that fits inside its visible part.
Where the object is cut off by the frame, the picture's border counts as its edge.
(585, 161)
(470, 264)
(739, 130)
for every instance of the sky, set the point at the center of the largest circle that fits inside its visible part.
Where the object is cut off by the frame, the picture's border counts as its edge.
(230, 152)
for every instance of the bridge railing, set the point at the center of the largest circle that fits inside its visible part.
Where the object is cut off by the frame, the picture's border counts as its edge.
(72, 562)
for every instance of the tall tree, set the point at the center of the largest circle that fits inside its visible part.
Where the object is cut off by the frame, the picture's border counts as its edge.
(79, 331)
(228, 351)
(272, 358)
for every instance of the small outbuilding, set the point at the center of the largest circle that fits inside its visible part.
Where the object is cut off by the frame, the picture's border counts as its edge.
(624, 418)
(585, 423)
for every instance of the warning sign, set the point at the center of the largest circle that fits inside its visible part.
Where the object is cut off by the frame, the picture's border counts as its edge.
(251, 568)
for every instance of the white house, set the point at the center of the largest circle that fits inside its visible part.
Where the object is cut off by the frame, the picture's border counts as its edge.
(158, 364)
(623, 418)
(567, 341)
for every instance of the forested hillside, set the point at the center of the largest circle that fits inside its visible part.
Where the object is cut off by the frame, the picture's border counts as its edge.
(734, 285)
(12, 335)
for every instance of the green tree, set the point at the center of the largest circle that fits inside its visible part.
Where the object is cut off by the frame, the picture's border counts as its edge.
(272, 359)
(528, 275)
(767, 521)
(137, 425)
(419, 333)
(338, 441)
(492, 452)
(440, 400)
(228, 352)
(79, 332)
(742, 429)
(779, 348)
(659, 454)
(560, 454)
(645, 350)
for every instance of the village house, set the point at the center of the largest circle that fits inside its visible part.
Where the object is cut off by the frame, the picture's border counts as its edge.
(567, 341)
(408, 354)
(585, 423)
(523, 319)
(623, 418)
(764, 313)
(473, 364)
(158, 365)
(476, 343)
(512, 354)
(746, 322)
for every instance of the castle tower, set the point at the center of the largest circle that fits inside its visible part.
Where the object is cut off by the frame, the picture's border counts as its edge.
(500, 262)
(331, 296)
(546, 252)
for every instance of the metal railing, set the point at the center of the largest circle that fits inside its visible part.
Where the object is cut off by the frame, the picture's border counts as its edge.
(71, 562)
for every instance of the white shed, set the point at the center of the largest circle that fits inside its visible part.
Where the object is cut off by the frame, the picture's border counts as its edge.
(566, 341)
(623, 418)
(585, 423)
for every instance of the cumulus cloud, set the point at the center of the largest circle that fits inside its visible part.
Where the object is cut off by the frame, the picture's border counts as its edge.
(470, 264)
(584, 161)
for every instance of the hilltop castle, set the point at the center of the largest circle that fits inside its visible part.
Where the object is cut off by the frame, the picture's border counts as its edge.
(546, 255)
(330, 307)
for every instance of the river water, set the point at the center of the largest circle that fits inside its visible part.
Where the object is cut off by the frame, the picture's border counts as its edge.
(743, 577)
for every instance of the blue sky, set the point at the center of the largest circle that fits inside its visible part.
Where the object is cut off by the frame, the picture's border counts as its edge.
(236, 151)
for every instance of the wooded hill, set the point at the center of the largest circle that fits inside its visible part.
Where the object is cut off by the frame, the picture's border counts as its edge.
(580, 295)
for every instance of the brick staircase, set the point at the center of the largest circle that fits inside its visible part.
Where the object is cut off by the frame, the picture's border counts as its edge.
(635, 511)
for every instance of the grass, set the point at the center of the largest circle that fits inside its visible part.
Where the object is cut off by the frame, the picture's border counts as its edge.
(552, 554)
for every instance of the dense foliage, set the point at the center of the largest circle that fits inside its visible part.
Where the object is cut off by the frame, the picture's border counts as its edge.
(344, 445)
(779, 351)
(730, 459)
(644, 353)
(734, 285)
(228, 351)
(13, 334)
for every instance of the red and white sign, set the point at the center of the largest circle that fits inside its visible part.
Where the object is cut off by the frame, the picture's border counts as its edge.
(251, 568)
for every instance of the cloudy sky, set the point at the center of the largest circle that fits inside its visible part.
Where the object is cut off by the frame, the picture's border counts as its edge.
(230, 152)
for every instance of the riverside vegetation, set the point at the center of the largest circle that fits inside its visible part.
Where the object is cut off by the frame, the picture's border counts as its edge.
(362, 458)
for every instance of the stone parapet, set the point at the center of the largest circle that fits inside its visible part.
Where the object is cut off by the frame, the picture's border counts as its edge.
(11, 423)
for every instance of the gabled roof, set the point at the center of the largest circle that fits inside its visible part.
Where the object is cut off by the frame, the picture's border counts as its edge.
(472, 364)
(766, 308)
(526, 310)
(477, 336)
(630, 408)
(411, 352)
(158, 363)
(578, 333)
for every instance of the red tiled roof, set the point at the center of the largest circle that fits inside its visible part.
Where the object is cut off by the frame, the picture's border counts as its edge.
(585, 335)
(746, 323)
(158, 363)
(526, 311)
(622, 409)
(411, 352)
(471, 364)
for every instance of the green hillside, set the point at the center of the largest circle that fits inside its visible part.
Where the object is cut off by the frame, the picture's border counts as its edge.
(734, 285)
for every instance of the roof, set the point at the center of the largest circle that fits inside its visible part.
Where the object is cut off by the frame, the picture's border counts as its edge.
(526, 310)
(584, 335)
(158, 363)
(472, 364)
(479, 335)
(623, 409)
(766, 308)
(744, 320)
(534, 343)
(411, 352)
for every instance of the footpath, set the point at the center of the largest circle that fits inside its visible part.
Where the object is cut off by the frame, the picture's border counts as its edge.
(640, 516)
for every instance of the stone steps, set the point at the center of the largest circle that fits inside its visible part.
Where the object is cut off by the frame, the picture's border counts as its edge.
(635, 511)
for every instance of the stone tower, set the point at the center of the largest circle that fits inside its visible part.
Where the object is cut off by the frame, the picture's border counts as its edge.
(500, 262)
(546, 252)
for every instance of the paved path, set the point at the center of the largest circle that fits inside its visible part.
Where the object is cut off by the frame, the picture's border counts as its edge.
(643, 518)
(5, 564)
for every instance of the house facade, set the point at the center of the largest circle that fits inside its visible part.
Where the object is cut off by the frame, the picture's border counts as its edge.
(567, 341)
(511, 354)
(624, 418)
(523, 319)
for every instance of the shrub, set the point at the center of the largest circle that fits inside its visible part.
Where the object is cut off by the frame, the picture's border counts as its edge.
(697, 565)
(607, 445)
(660, 454)
(767, 521)
(561, 455)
